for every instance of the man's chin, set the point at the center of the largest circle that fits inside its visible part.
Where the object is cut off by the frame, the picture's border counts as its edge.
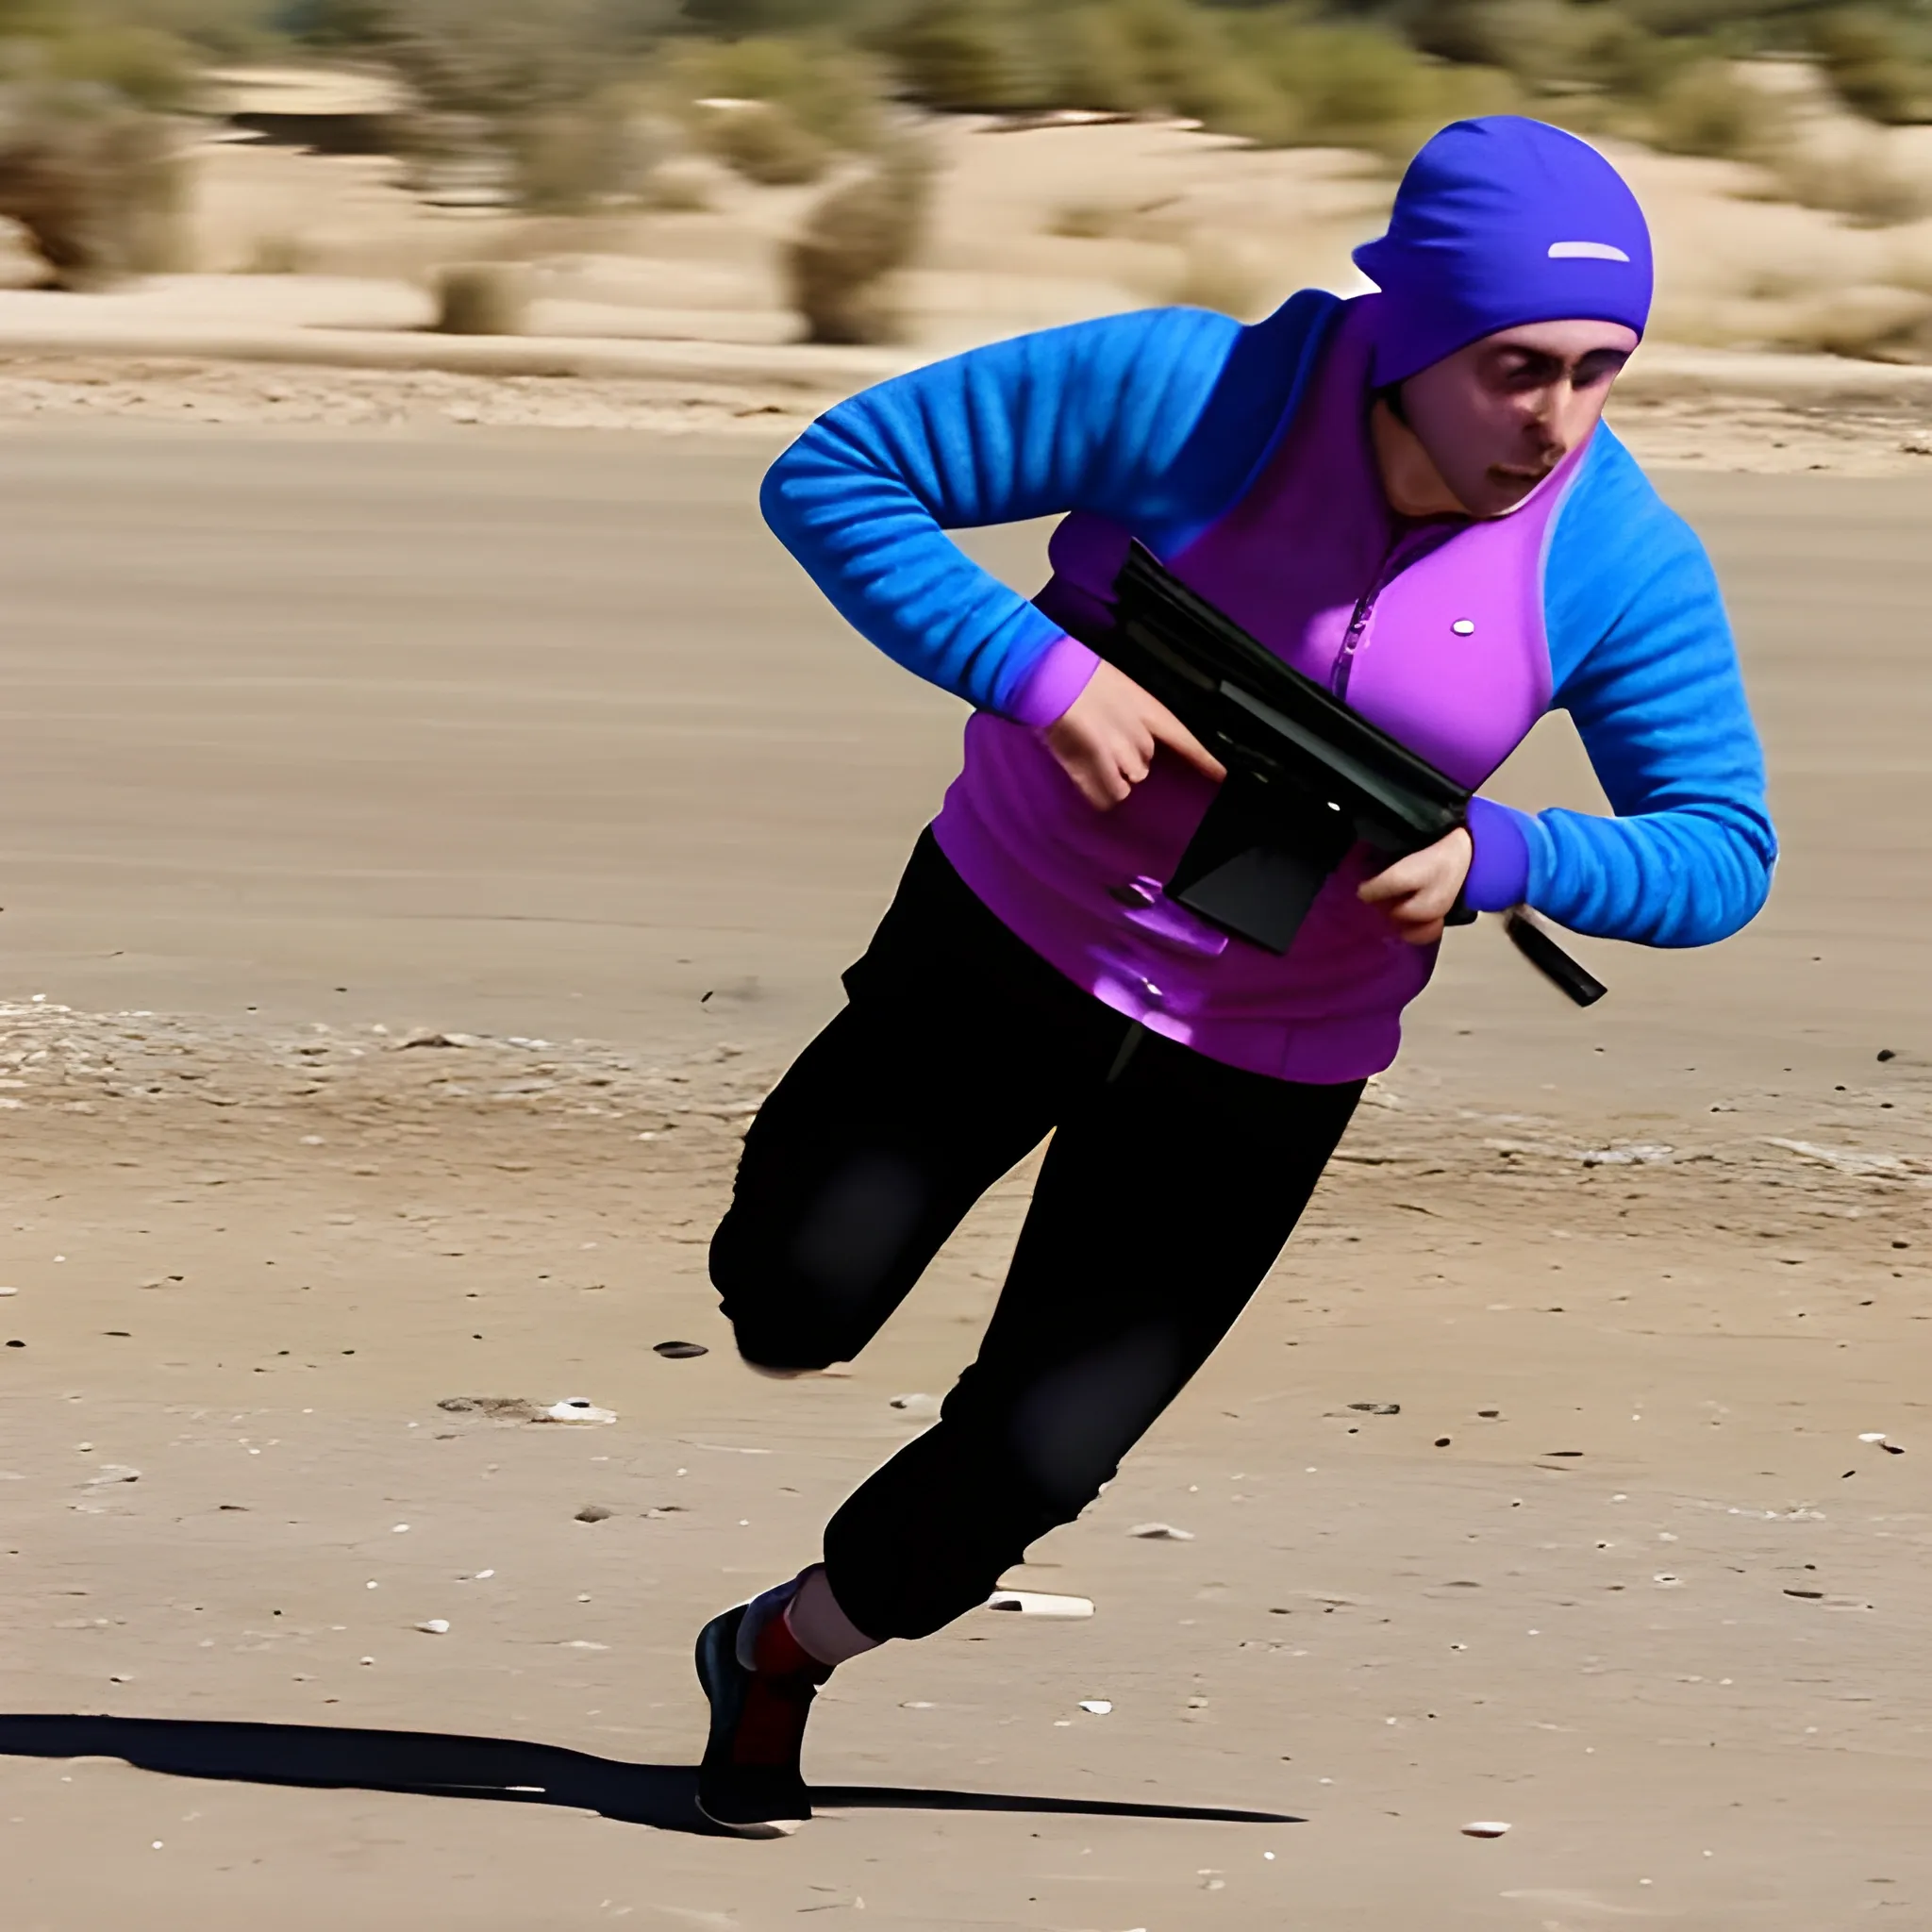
(1507, 490)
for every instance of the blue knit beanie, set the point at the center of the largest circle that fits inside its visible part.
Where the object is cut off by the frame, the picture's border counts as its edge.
(1501, 222)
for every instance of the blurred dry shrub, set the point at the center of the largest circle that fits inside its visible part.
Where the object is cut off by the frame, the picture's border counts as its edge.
(93, 178)
(483, 298)
(538, 100)
(842, 273)
(819, 85)
(126, 46)
(1876, 61)
(1706, 109)
(764, 142)
(493, 61)
(966, 55)
(597, 152)
(1147, 57)
(1553, 45)
(1354, 85)
(1278, 76)
(1861, 182)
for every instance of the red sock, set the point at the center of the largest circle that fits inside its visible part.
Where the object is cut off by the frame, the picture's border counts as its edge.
(784, 1680)
(778, 1654)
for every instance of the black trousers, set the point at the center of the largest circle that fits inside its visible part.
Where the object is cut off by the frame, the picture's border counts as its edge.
(1171, 1185)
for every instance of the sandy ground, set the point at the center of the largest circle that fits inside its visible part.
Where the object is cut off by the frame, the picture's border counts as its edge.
(1867, 434)
(422, 849)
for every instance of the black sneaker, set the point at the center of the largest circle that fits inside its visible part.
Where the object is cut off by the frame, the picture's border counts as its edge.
(750, 1780)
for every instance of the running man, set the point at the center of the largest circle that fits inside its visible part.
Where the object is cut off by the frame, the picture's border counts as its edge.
(1409, 498)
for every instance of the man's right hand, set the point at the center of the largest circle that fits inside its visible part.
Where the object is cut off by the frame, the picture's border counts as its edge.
(1107, 738)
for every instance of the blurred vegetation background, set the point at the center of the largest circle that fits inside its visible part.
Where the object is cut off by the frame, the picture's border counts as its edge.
(568, 106)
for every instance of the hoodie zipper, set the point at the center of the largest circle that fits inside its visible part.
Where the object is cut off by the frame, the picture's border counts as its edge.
(1407, 546)
(1357, 623)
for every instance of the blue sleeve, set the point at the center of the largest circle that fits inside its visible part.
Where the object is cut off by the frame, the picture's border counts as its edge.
(1095, 416)
(1642, 660)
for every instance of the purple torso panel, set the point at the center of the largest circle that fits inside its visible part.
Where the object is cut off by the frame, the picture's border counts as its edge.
(1434, 631)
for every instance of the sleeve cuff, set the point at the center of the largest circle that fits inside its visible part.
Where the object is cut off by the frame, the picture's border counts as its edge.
(1499, 872)
(1052, 684)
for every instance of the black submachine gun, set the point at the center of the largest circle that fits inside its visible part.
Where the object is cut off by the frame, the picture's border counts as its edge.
(1308, 778)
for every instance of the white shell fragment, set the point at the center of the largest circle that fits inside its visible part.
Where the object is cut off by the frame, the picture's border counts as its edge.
(1030, 1603)
(1876, 1436)
(434, 1627)
(1485, 1827)
(1095, 1707)
(577, 1409)
(1163, 1532)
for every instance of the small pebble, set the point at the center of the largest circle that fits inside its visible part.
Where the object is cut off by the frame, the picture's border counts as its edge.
(1485, 1827)
(1163, 1533)
(1095, 1707)
(593, 1512)
(1377, 1407)
(1028, 1603)
(923, 1406)
(679, 1351)
(434, 1627)
(577, 1409)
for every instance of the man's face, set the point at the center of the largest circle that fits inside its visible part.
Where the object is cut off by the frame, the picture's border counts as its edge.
(1497, 417)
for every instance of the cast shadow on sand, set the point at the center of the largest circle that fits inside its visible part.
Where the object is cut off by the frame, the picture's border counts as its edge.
(432, 1765)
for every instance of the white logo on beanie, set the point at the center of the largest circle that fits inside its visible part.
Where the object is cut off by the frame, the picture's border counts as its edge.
(1586, 251)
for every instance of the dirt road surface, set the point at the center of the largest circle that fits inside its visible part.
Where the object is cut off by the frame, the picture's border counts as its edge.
(421, 847)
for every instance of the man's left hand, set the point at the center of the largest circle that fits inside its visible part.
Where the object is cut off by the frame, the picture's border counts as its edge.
(1419, 892)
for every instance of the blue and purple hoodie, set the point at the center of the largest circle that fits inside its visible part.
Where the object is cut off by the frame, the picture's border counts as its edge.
(1241, 456)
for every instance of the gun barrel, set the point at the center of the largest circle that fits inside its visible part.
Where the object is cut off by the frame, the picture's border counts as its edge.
(1569, 975)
